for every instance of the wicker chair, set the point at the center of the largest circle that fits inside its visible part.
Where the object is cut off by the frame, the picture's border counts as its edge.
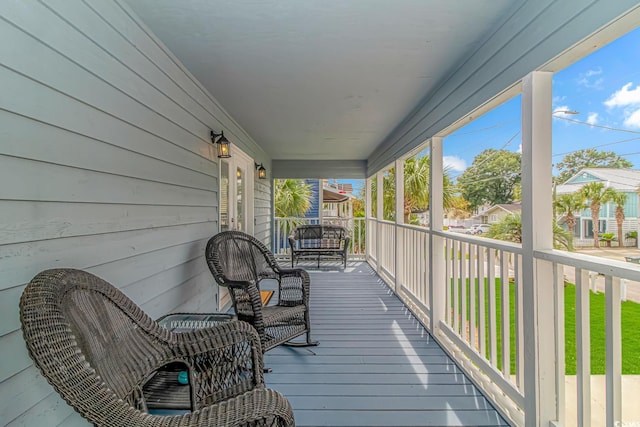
(97, 349)
(239, 262)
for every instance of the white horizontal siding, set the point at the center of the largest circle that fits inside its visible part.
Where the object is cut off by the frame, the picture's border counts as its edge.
(262, 209)
(105, 165)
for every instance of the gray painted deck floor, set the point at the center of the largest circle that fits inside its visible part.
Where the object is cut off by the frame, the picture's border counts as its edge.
(375, 365)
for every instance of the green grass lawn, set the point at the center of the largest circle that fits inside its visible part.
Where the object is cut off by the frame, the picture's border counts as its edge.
(630, 330)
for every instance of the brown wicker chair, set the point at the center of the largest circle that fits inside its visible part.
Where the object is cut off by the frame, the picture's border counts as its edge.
(97, 349)
(239, 262)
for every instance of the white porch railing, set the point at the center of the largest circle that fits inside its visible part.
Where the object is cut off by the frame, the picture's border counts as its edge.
(483, 317)
(284, 226)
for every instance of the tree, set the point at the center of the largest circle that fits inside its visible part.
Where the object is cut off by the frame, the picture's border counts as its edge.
(567, 204)
(619, 199)
(459, 208)
(572, 163)
(597, 194)
(292, 198)
(416, 188)
(510, 229)
(493, 178)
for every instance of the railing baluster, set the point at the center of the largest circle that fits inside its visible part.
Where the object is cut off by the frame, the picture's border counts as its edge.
(473, 250)
(463, 290)
(505, 314)
(482, 313)
(447, 276)
(517, 274)
(558, 285)
(493, 341)
(614, 351)
(456, 287)
(583, 348)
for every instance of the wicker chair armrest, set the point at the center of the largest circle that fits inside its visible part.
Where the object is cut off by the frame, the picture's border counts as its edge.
(226, 360)
(346, 244)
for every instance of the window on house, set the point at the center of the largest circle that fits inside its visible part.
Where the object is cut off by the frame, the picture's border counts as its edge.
(587, 227)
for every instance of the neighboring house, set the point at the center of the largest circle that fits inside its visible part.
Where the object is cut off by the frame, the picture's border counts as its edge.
(497, 213)
(336, 199)
(625, 181)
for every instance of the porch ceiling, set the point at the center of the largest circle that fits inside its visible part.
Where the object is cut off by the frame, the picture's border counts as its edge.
(318, 79)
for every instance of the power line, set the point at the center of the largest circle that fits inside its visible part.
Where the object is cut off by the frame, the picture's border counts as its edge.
(596, 146)
(596, 126)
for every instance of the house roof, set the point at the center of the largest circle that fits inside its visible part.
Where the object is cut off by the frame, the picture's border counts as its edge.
(508, 207)
(624, 180)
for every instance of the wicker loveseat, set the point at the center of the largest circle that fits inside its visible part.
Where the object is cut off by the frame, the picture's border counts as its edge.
(319, 241)
(98, 349)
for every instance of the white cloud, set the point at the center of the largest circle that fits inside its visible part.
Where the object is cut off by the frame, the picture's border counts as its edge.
(558, 99)
(454, 163)
(520, 148)
(633, 121)
(592, 119)
(587, 79)
(624, 97)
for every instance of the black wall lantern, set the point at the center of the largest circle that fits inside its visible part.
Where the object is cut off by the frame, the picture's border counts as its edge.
(223, 144)
(262, 172)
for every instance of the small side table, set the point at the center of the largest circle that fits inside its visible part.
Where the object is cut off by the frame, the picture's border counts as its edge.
(163, 393)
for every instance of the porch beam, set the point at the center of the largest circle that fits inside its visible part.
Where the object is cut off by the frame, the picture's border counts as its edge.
(437, 285)
(540, 374)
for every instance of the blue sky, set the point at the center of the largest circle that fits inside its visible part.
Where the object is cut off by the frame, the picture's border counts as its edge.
(603, 88)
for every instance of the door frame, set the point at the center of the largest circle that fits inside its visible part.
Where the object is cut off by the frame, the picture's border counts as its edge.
(242, 160)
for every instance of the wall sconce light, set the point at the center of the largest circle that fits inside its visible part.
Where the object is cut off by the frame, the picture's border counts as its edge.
(262, 172)
(223, 144)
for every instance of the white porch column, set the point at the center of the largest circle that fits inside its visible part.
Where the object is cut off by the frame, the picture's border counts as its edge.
(541, 378)
(437, 285)
(379, 215)
(399, 167)
(367, 217)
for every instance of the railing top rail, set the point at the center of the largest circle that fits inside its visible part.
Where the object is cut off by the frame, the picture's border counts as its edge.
(481, 241)
(414, 227)
(606, 266)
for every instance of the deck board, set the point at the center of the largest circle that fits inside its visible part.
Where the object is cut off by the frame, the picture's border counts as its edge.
(375, 366)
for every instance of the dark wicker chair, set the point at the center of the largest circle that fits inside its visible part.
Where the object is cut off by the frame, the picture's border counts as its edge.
(97, 349)
(240, 262)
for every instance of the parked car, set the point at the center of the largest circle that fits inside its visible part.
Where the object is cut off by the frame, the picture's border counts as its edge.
(457, 228)
(478, 229)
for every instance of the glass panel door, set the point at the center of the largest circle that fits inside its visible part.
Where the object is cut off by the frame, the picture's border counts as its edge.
(240, 196)
(236, 193)
(224, 196)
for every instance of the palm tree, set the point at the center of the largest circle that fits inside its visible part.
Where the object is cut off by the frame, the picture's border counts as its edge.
(567, 204)
(292, 197)
(291, 200)
(597, 194)
(416, 188)
(619, 199)
(510, 229)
